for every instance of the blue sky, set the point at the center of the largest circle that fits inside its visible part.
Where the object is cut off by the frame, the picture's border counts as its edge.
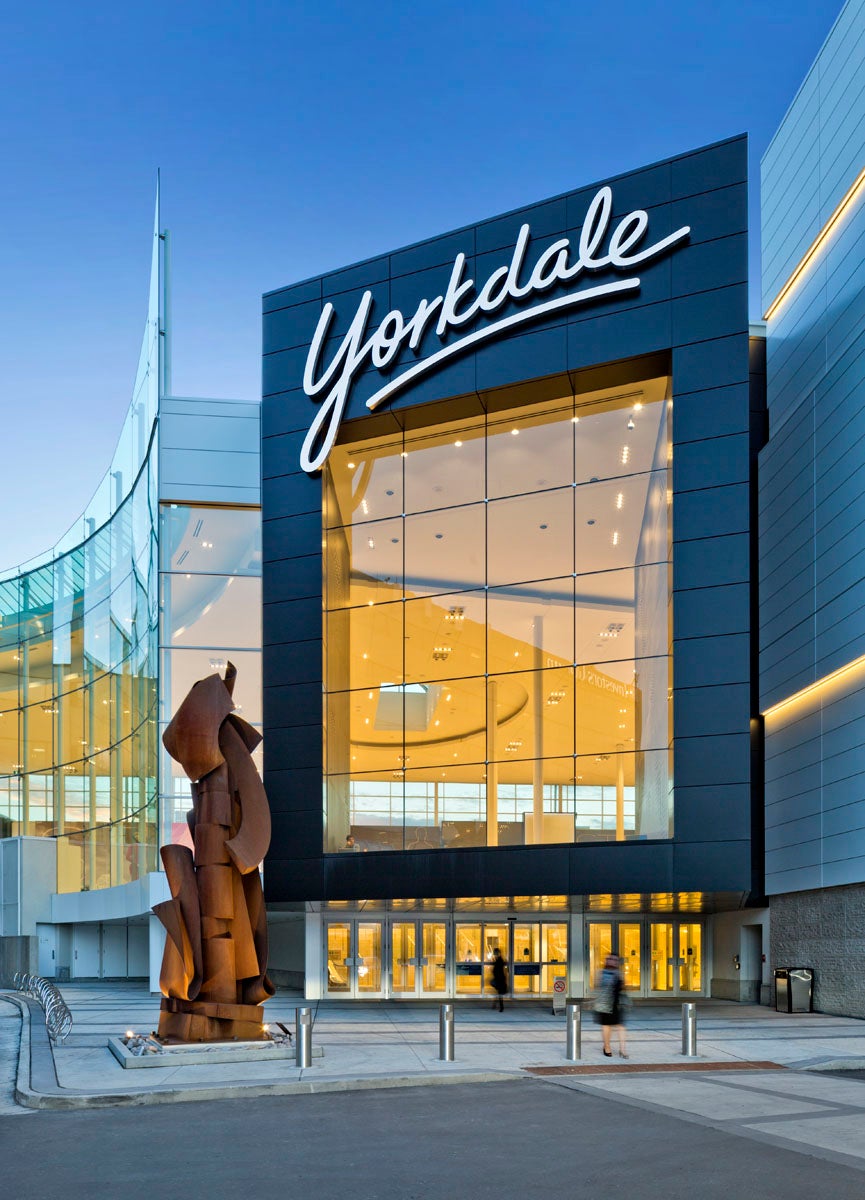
(295, 137)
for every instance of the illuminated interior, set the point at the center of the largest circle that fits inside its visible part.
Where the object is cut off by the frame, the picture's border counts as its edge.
(497, 658)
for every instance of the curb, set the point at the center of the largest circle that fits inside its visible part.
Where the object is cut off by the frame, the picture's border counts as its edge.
(64, 1099)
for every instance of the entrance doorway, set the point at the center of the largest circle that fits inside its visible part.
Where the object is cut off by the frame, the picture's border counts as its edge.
(536, 953)
(353, 954)
(677, 957)
(418, 958)
(658, 957)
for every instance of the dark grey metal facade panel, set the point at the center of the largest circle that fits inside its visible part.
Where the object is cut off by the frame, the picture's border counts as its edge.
(691, 309)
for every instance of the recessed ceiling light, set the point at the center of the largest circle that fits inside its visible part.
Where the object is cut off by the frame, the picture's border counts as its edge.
(457, 443)
(515, 432)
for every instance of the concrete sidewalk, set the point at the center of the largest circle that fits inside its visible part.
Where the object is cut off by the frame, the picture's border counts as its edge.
(391, 1040)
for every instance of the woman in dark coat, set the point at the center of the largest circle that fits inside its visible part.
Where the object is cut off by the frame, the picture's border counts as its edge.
(610, 1004)
(499, 979)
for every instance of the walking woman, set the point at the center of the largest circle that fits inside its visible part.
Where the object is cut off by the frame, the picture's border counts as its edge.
(610, 1005)
(499, 979)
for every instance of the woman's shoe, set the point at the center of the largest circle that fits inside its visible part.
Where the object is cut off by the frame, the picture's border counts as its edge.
(622, 1054)
(608, 1054)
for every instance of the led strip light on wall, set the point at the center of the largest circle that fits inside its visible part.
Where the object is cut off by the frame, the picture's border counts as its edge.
(850, 196)
(832, 677)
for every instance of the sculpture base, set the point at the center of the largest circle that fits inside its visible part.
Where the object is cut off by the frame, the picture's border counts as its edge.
(209, 1021)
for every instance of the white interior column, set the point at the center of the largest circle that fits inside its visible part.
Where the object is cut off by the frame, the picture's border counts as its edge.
(538, 704)
(492, 764)
(620, 793)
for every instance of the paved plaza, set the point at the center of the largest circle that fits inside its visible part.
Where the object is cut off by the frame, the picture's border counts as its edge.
(765, 1076)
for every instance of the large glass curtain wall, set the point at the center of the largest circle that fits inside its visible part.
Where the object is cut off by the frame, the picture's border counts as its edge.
(78, 700)
(211, 613)
(498, 628)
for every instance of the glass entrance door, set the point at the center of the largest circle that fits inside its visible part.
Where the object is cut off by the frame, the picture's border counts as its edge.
(353, 964)
(418, 958)
(676, 957)
(540, 954)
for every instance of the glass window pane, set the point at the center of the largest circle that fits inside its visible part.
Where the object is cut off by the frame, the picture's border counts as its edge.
(364, 563)
(363, 482)
(219, 541)
(444, 551)
(444, 466)
(530, 537)
(530, 451)
(522, 618)
(211, 610)
(445, 636)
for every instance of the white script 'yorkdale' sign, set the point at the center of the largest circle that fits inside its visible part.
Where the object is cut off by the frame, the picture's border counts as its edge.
(465, 302)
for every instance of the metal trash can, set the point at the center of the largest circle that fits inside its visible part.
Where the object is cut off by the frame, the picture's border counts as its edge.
(794, 989)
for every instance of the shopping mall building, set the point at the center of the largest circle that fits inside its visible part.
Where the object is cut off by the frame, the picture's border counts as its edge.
(541, 570)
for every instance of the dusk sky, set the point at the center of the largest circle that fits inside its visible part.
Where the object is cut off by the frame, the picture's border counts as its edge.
(294, 138)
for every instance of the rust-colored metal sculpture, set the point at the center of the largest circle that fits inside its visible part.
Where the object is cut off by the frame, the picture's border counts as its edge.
(213, 976)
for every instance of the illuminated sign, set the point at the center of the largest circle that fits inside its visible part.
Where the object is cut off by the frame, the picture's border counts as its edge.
(465, 303)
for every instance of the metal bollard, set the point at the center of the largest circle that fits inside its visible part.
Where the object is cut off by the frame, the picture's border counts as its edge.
(573, 1031)
(689, 1030)
(303, 1037)
(446, 1033)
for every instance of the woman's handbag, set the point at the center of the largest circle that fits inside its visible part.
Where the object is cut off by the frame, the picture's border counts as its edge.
(603, 1001)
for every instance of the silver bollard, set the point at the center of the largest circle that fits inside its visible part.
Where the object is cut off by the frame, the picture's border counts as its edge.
(573, 1031)
(446, 1033)
(303, 1037)
(689, 1030)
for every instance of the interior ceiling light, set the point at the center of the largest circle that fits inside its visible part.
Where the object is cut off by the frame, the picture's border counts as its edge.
(515, 432)
(457, 444)
(440, 653)
(455, 614)
(631, 424)
(638, 407)
(350, 466)
(556, 697)
(626, 453)
(615, 537)
(620, 499)
(371, 543)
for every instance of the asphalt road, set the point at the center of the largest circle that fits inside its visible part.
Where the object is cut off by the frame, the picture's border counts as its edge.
(493, 1141)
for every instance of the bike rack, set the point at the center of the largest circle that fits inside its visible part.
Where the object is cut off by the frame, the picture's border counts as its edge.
(58, 1018)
